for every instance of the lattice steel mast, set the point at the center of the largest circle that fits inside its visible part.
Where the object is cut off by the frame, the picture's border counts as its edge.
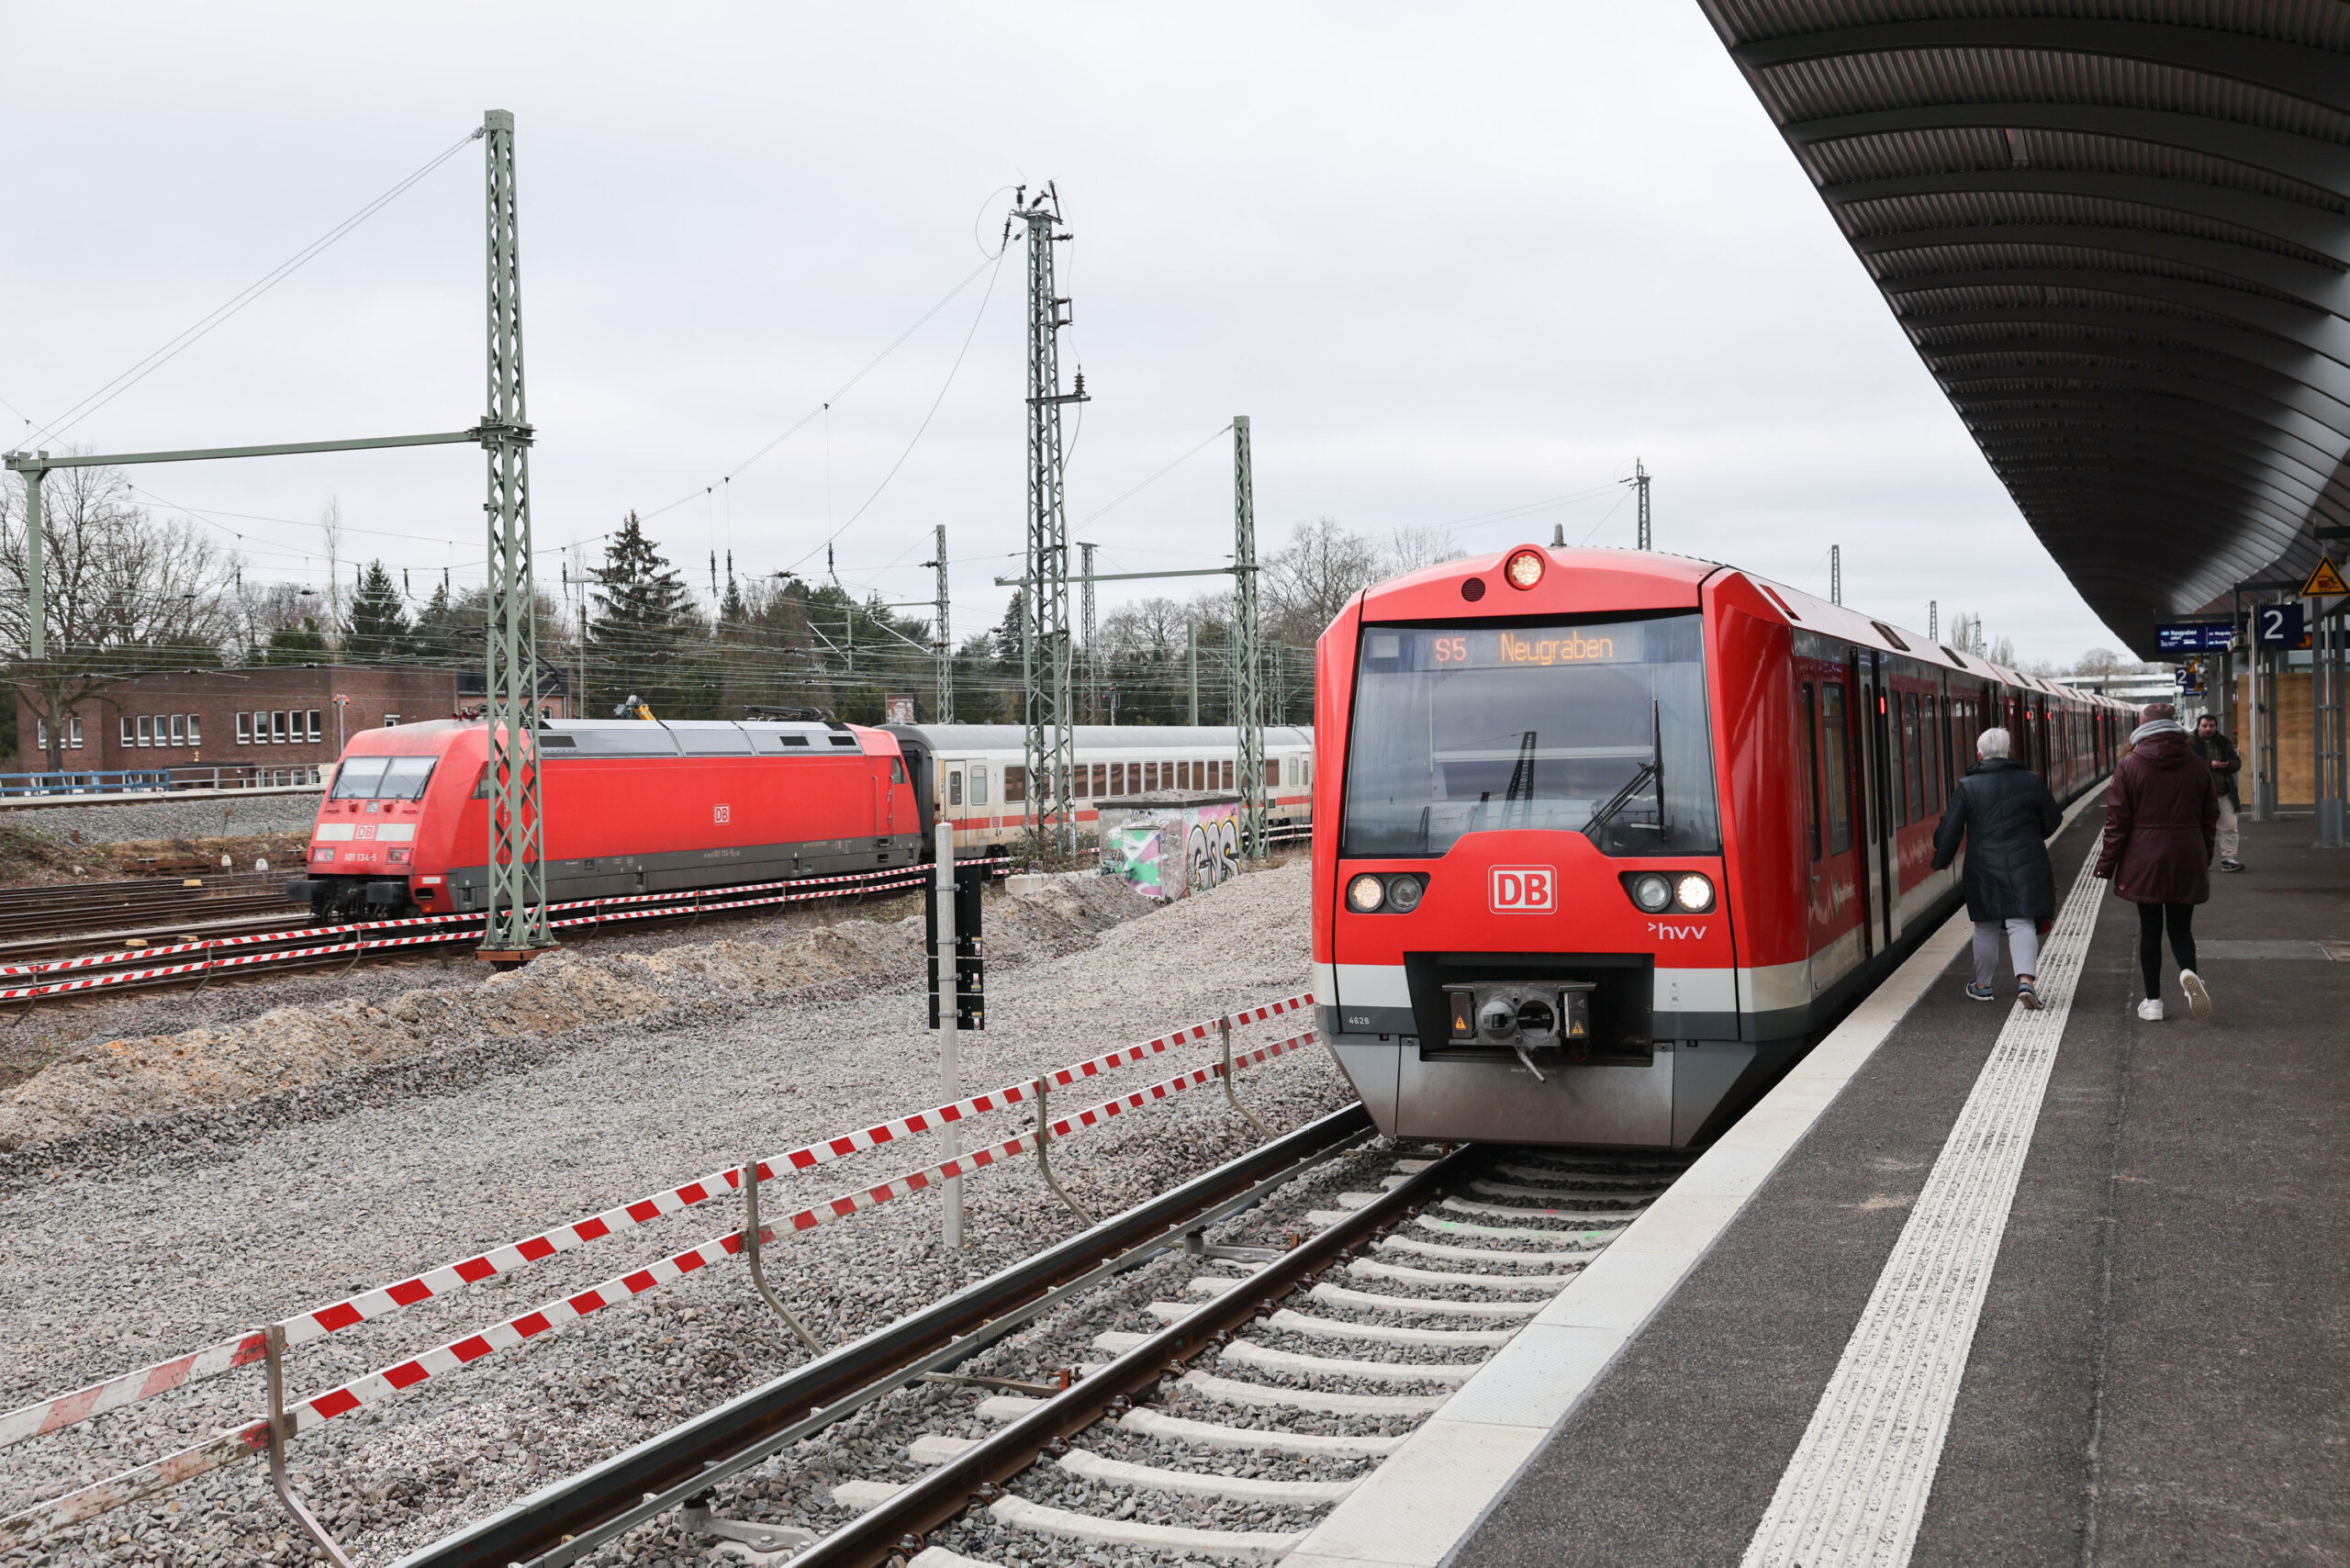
(944, 710)
(517, 923)
(1639, 481)
(1248, 666)
(1044, 650)
(1092, 713)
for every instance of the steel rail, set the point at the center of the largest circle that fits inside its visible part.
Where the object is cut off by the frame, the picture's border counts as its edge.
(897, 1528)
(572, 1517)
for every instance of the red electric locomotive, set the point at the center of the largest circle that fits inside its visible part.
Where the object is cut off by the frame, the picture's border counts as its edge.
(630, 807)
(1604, 840)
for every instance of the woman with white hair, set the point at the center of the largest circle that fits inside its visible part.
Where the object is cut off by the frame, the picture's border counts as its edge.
(2002, 813)
(2161, 822)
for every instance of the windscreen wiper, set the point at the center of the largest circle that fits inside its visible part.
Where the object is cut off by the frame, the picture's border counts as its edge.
(1652, 770)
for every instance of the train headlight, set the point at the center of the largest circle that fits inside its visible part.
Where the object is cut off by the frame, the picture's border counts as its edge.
(1694, 892)
(1523, 568)
(1366, 893)
(1404, 894)
(1651, 891)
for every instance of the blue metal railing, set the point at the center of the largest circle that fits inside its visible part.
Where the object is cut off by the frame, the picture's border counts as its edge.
(152, 780)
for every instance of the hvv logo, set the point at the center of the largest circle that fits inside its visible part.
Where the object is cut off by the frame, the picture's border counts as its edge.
(1523, 889)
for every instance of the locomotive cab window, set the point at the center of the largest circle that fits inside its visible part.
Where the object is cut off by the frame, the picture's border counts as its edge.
(383, 778)
(1593, 728)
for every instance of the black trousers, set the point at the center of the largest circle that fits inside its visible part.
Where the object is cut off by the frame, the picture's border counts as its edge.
(2153, 919)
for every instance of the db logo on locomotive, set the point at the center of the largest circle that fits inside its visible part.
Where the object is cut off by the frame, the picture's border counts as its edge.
(1523, 889)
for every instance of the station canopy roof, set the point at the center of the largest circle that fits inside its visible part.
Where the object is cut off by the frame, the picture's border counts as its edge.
(2117, 234)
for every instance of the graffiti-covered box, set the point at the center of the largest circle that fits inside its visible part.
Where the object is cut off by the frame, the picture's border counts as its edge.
(1171, 844)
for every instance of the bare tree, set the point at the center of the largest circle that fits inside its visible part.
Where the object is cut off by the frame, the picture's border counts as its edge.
(126, 595)
(1410, 549)
(1309, 580)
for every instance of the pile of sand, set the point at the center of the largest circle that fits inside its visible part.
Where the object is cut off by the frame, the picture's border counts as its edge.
(290, 1047)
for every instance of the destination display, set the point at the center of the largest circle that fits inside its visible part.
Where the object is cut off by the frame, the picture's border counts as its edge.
(2195, 636)
(1504, 647)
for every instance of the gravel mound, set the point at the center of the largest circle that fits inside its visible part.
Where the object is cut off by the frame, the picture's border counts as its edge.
(132, 1079)
(171, 817)
(160, 1235)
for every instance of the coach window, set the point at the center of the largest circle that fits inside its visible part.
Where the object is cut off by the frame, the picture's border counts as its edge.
(1811, 769)
(1015, 784)
(1914, 745)
(979, 786)
(1835, 751)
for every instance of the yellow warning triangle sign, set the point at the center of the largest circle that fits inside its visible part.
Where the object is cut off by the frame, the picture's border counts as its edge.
(2325, 578)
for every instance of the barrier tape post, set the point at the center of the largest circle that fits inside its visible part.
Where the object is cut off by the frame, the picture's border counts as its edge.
(1043, 1160)
(950, 987)
(753, 1240)
(1224, 1028)
(281, 1426)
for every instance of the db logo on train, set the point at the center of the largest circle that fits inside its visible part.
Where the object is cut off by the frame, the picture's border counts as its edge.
(1522, 890)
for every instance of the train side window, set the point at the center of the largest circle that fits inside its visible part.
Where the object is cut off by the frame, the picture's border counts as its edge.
(1836, 747)
(954, 786)
(978, 786)
(1226, 770)
(1117, 778)
(1810, 770)
(1273, 773)
(1101, 779)
(1015, 784)
(897, 770)
(1182, 775)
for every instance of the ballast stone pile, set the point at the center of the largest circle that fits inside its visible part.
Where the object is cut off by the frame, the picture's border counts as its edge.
(178, 1241)
(135, 1079)
(169, 817)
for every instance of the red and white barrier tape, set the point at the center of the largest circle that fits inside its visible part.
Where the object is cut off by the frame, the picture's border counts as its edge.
(47, 1416)
(230, 1447)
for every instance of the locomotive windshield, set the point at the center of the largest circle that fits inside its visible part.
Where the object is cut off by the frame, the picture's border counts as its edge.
(1598, 729)
(382, 777)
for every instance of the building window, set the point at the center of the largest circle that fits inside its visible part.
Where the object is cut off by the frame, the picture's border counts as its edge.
(195, 730)
(278, 727)
(40, 733)
(391, 721)
(179, 729)
(146, 730)
(129, 733)
(315, 732)
(244, 728)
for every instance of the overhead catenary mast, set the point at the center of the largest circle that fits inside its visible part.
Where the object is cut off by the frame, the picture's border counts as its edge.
(1044, 651)
(944, 710)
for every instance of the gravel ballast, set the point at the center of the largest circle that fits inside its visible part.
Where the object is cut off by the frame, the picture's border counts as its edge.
(171, 816)
(142, 1234)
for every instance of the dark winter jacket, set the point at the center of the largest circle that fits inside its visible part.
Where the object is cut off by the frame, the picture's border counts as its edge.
(2162, 817)
(2004, 814)
(2219, 749)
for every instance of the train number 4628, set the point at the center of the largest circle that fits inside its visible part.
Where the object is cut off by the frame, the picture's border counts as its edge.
(1523, 889)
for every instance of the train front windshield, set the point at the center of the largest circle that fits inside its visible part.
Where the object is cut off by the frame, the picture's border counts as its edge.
(1598, 729)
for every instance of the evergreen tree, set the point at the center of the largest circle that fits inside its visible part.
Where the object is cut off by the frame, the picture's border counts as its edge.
(298, 643)
(646, 639)
(377, 631)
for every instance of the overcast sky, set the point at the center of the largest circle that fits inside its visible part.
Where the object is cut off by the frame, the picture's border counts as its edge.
(1452, 261)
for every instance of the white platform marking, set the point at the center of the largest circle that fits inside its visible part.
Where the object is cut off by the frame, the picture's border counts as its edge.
(1856, 1490)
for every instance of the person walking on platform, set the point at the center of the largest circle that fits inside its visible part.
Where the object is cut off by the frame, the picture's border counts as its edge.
(2003, 813)
(2162, 819)
(2214, 747)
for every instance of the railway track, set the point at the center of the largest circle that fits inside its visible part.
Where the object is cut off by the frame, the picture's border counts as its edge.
(1277, 1351)
(32, 919)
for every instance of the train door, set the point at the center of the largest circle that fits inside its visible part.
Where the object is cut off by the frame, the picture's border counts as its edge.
(1833, 794)
(1878, 815)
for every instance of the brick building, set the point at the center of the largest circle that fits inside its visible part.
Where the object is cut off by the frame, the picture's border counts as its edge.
(273, 724)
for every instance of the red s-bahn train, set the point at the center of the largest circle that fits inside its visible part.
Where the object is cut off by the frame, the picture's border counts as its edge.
(630, 807)
(1603, 840)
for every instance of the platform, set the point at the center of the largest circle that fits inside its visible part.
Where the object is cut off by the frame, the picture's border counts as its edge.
(2118, 1332)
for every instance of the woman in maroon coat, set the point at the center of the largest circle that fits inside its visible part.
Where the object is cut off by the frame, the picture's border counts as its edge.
(2161, 818)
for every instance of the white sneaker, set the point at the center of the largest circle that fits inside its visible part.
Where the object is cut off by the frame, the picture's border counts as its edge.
(2151, 1010)
(2198, 1001)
